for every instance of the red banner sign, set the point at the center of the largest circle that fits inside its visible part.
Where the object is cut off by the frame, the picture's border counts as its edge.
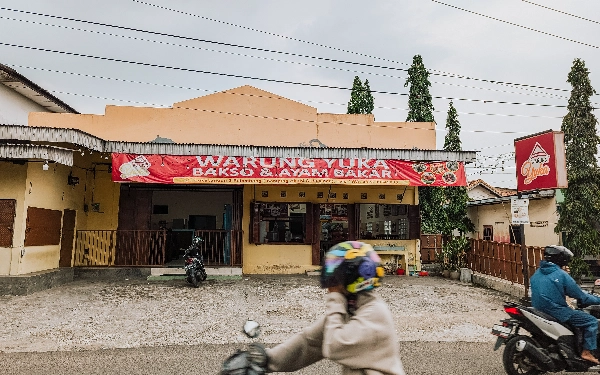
(541, 162)
(173, 169)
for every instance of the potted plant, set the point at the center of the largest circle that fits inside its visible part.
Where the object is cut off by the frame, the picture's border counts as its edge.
(442, 260)
(455, 253)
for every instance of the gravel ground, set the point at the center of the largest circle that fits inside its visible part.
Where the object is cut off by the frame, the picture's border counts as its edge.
(109, 314)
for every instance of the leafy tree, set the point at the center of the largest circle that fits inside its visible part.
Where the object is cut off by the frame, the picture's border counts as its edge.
(456, 196)
(456, 199)
(433, 219)
(420, 106)
(368, 100)
(580, 210)
(420, 109)
(452, 139)
(361, 98)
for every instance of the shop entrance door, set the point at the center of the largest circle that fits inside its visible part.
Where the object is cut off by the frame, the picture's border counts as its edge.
(67, 237)
(335, 225)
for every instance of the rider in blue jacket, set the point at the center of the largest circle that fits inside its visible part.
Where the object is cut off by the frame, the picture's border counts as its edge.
(549, 286)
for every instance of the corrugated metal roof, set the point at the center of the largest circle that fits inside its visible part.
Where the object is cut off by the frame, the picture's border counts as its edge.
(80, 138)
(11, 78)
(59, 155)
(51, 135)
(288, 152)
(532, 195)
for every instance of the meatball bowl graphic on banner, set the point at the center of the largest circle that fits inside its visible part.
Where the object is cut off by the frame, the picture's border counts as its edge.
(218, 169)
(541, 162)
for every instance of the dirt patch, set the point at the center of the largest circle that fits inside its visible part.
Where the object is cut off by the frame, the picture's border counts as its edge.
(130, 313)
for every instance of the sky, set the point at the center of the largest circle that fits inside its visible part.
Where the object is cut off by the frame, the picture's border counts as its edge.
(503, 63)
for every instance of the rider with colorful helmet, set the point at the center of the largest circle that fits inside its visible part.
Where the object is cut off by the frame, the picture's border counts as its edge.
(356, 330)
(352, 264)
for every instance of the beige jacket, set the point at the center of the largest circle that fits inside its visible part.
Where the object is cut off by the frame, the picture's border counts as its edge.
(364, 343)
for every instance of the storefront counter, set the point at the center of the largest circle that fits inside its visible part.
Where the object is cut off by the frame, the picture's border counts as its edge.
(404, 253)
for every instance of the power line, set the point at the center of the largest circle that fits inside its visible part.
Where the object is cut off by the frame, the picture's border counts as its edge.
(560, 11)
(442, 74)
(260, 96)
(545, 95)
(502, 145)
(431, 71)
(514, 24)
(283, 118)
(267, 32)
(266, 79)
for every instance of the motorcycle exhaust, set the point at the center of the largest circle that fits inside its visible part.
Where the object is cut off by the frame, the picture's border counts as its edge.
(542, 358)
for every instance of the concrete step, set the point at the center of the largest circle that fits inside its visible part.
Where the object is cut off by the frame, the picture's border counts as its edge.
(212, 271)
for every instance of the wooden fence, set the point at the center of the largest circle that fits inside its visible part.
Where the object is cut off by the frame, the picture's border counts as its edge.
(153, 247)
(95, 248)
(431, 245)
(502, 260)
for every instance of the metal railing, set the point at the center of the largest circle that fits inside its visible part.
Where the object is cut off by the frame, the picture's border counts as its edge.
(153, 247)
(221, 246)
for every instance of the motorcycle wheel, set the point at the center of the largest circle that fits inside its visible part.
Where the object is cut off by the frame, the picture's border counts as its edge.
(195, 282)
(516, 362)
(203, 275)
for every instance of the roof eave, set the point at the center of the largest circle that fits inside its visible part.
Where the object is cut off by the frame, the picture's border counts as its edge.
(83, 139)
(8, 75)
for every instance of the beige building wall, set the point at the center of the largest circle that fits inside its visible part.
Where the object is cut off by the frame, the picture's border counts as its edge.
(297, 258)
(100, 192)
(244, 116)
(542, 215)
(49, 190)
(12, 186)
(32, 186)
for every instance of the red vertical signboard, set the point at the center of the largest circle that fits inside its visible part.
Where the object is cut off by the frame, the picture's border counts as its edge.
(541, 162)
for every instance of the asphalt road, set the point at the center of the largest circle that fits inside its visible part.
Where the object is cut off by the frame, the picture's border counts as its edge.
(418, 358)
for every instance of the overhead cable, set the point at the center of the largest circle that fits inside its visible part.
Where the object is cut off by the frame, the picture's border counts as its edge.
(431, 71)
(534, 92)
(560, 11)
(514, 24)
(264, 79)
(444, 74)
(261, 96)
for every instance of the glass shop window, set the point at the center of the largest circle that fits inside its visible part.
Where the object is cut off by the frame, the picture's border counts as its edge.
(384, 221)
(282, 222)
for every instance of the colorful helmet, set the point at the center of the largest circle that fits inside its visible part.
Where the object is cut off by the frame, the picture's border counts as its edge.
(353, 264)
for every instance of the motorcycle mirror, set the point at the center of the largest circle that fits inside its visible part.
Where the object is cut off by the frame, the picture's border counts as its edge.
(252, 329)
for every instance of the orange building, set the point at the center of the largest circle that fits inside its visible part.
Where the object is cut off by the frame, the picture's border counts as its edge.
(269, 183)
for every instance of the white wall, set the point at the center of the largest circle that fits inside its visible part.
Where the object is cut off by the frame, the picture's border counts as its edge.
(542, 214)
(15, 108)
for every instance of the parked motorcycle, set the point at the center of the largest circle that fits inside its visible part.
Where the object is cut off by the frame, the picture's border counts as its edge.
(551, 346)
(194, 264)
